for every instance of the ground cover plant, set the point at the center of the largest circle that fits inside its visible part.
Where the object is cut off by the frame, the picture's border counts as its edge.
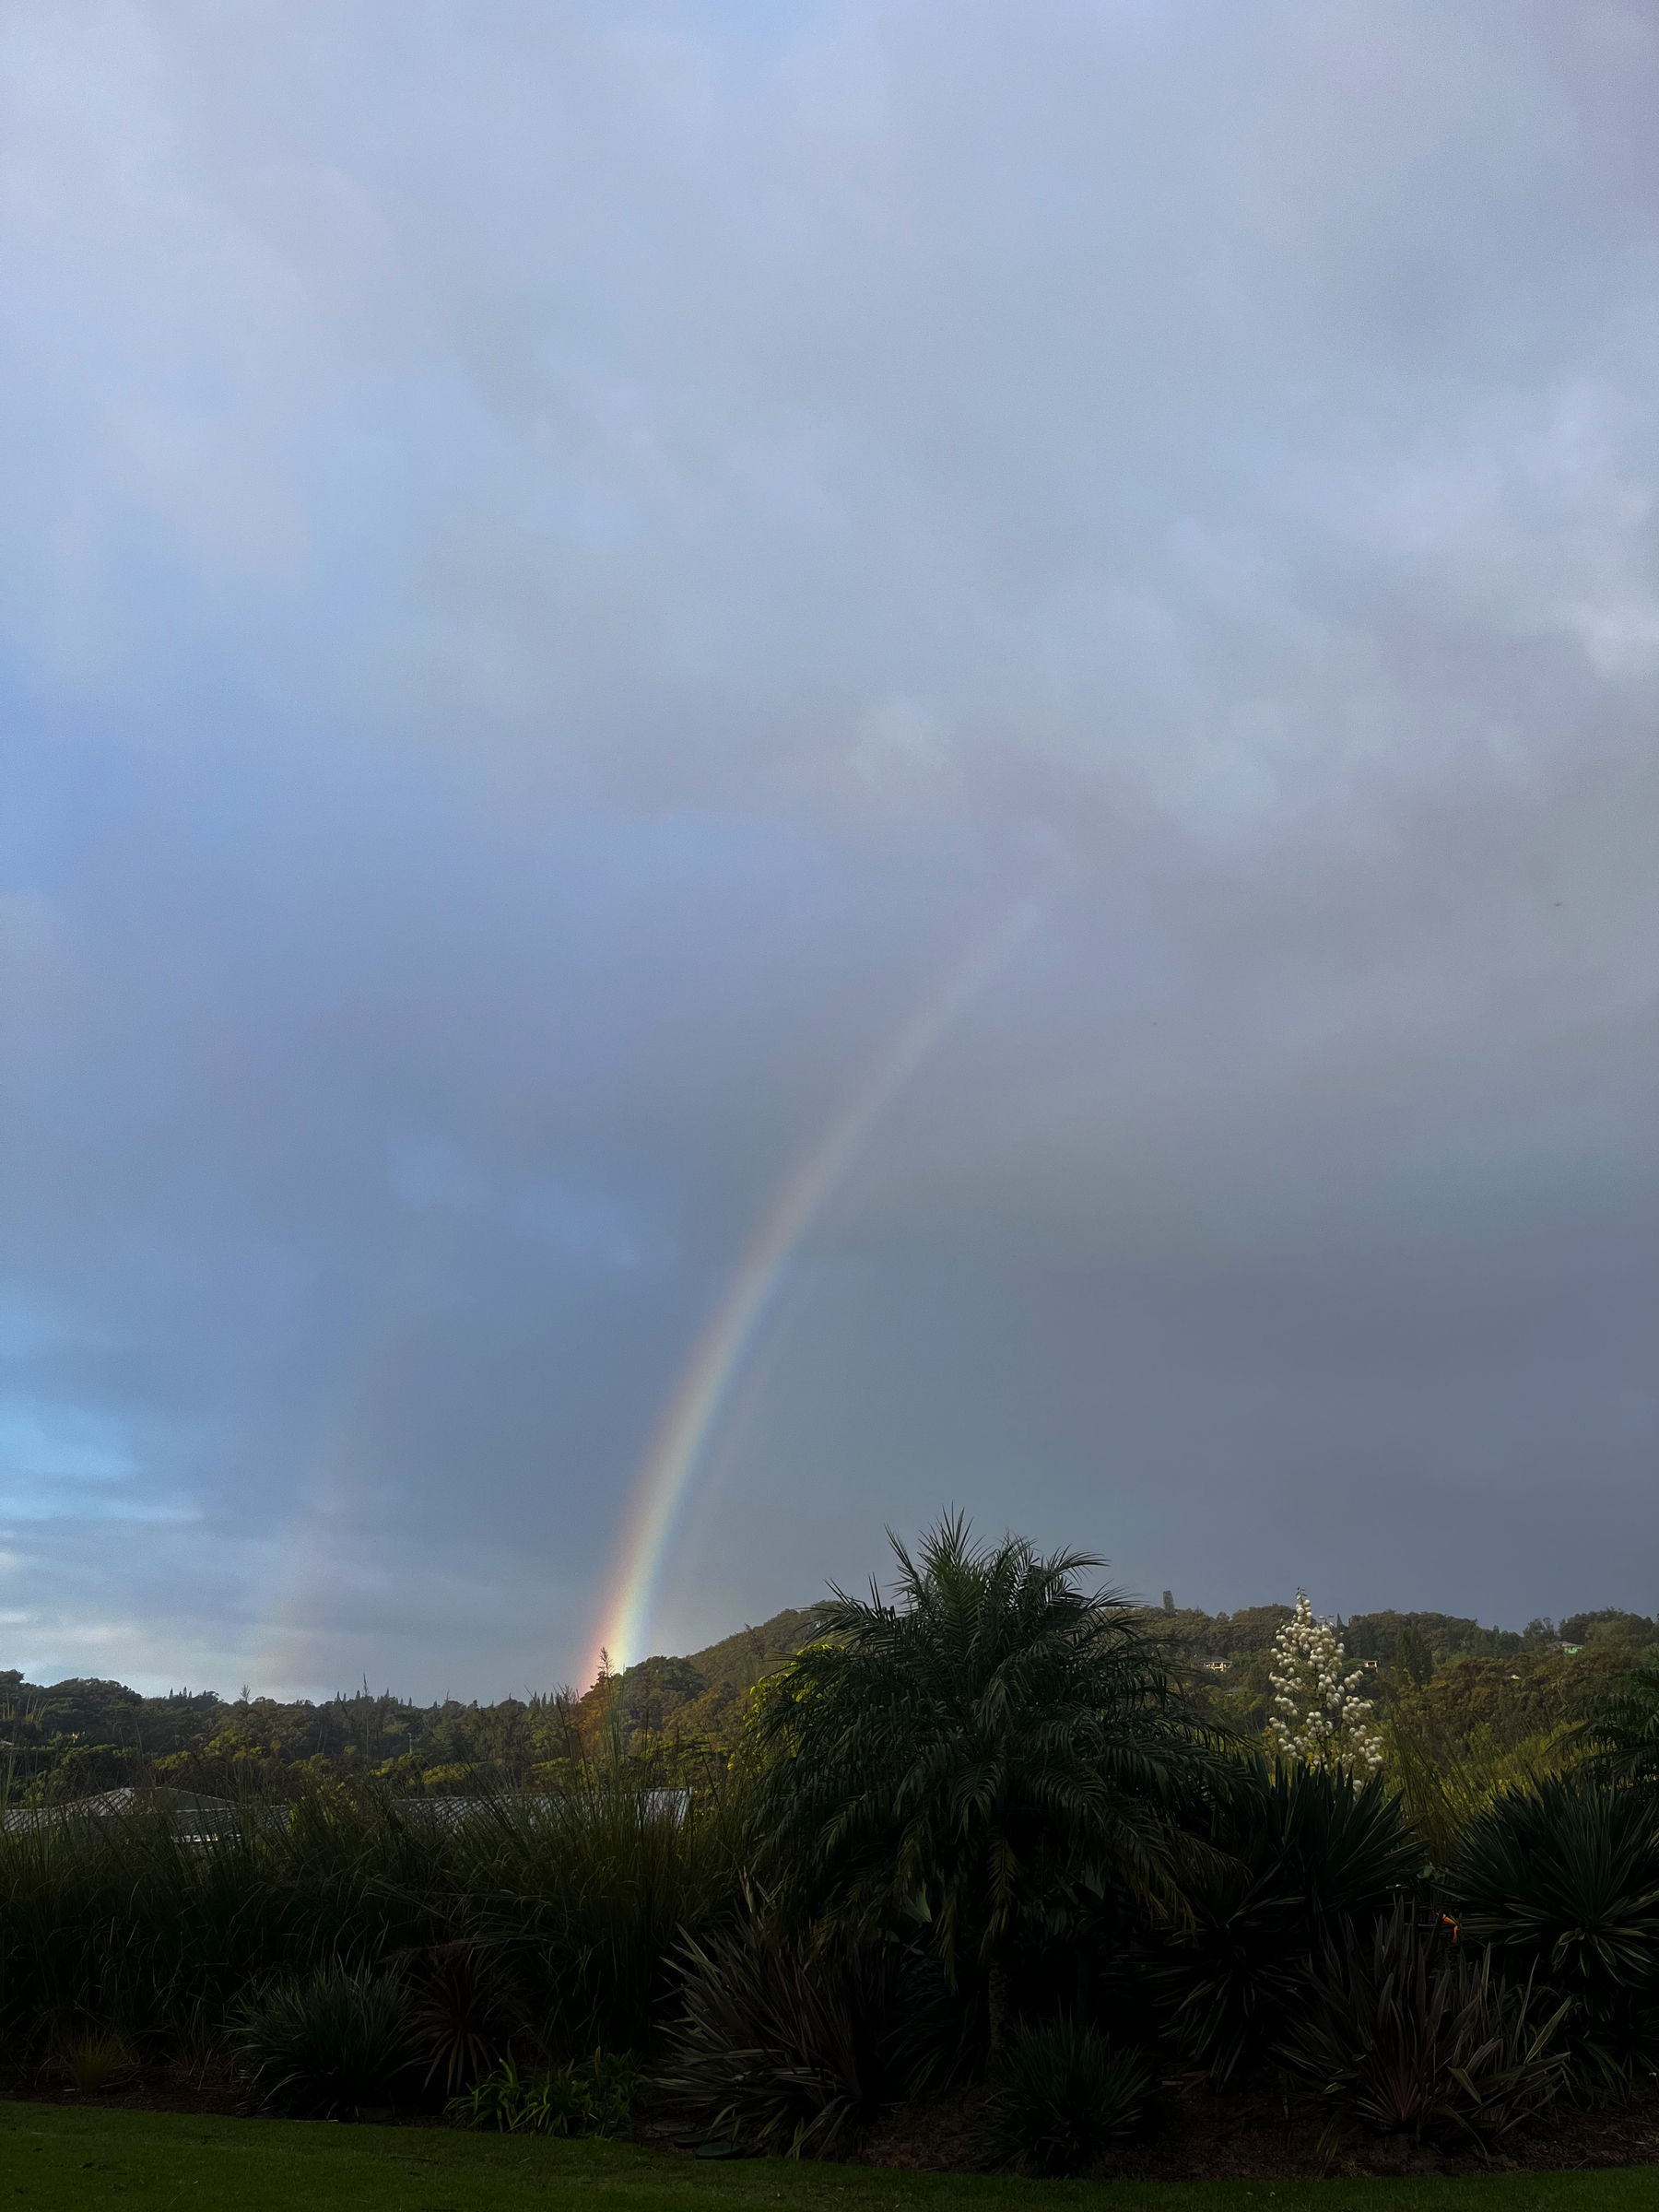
(597, 2096)
(329, 2042)
(991, 1851)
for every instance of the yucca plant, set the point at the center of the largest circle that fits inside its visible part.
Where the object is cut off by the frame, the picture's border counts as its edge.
(1063, 2098)
(1293, 1854)
(780, 2052)
(1411, 2033)
(1562, 1881)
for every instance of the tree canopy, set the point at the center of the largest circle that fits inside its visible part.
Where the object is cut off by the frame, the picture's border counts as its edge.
(973, 1749)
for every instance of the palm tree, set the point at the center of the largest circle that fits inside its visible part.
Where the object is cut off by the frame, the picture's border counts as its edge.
(976, 1753)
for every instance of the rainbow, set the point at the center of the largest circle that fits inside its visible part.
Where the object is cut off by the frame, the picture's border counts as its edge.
(668, 1472)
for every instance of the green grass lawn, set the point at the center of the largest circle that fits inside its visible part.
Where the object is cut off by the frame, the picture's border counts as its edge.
(63, 2160)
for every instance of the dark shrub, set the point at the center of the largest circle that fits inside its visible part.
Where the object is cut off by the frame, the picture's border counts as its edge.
(459, 2012)
(1294, 1855)
(1563, 1882)
(779, 2052)
(1063, 2098)
(331, 2043)
(993, 1737)
(1410, 2033)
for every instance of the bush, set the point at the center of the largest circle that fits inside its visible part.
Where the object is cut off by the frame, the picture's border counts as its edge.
(1562, 1881)
(779, 2052)
(1411, 2034)
(1064, 2098)
(1294, 1853)
(331, 2043)
(596, 2097)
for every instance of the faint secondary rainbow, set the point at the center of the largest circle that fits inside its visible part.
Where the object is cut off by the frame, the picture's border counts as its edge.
(669, 1470)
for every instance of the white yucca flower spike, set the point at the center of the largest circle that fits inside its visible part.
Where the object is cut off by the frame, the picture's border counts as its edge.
(1318, 1715)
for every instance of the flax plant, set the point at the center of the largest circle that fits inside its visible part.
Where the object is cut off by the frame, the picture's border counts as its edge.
(122, 1923)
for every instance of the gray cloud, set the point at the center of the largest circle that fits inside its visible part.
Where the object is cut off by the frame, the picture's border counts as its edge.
(561, 565)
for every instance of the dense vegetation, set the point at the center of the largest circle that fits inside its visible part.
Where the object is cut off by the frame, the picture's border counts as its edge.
(71, 1738)
(76, 1737)
(999, 1835)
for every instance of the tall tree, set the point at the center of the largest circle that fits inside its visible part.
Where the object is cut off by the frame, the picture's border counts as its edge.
(973, 1749)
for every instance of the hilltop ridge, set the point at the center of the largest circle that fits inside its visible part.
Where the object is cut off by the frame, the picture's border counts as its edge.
(70, 1739)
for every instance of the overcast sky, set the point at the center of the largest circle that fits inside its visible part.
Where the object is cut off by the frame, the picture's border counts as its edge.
(562, 567)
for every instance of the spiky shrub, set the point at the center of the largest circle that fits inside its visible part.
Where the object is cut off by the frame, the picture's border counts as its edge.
(1562, 1881)
(462, 2005)
(331, 2043)
(778, 2051)
(1412, 2034)
(1292, 1854)
(1063, 2099)
(970, 1753)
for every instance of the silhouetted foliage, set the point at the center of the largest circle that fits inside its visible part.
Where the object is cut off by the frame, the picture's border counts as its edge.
(1063, 2098)
(1562, 1881)
(1408, 2033)
(971, 1752)
(1296, 1855)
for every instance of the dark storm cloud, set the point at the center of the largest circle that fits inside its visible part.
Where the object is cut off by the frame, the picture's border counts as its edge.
(561, 565)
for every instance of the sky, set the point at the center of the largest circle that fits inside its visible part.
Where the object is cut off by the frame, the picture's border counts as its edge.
(766, 768)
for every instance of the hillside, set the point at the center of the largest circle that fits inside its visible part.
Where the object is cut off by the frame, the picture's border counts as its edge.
(674, 1714)
(74, 1737)
(705, 1694)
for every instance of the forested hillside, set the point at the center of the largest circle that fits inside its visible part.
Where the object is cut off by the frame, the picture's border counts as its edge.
(72, 1738)
(1454, 1681)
